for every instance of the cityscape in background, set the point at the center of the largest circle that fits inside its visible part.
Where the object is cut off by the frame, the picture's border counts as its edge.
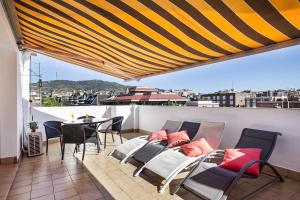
(97, 92)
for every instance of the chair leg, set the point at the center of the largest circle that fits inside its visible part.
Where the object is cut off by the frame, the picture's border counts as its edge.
(105, 140)
(99, 140)
(47, 146)
(275, 179)
(112, 136)
(60, 144)
(121, 137)
(98, 145)
(75, 149)
(83, 151)
(63, 151)
(137, 173)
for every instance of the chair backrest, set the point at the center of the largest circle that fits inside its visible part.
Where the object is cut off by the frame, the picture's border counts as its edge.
(83, 117)
(117, 123)
(171, 126)
(52, 129)
(191, 128)
(212, 132)
(73, 134)
(254, 138)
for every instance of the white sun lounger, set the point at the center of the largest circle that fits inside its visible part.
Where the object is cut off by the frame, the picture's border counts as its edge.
(171, 162)
(125, 150)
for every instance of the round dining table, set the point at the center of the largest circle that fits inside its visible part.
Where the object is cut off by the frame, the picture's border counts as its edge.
(87, 121)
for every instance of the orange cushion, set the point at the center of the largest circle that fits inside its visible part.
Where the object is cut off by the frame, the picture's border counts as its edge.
(158, 135)
(236, 159)
(196, 148)
(177, 138)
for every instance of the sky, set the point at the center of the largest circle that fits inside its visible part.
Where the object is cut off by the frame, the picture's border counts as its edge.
(278, 69)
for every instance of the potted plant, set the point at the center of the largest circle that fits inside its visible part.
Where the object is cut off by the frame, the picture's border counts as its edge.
(33, 126)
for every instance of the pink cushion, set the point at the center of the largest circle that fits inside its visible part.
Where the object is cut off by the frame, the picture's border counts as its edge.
(236, 159)
(196, 148)
(158, 135)
(177, 138)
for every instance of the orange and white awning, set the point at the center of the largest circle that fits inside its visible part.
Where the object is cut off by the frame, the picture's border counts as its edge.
(132, 39)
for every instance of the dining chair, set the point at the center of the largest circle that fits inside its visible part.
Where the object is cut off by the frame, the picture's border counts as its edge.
(73, 134)
(91, 134)
(52, 130)
(115, 126)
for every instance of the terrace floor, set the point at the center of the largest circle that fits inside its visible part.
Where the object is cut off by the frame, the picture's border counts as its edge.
(101, 177)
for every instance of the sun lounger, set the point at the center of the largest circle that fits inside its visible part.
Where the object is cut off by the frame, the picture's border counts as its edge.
(171, 162)
(210, 181)
(125, 150)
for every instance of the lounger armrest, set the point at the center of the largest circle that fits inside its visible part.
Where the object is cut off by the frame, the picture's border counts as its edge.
(241, 173)
(143, 136)
(176, 148)
(248, 165)
(155, 142)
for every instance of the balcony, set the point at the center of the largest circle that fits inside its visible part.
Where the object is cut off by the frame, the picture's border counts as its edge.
(114, 38)
(105, 178)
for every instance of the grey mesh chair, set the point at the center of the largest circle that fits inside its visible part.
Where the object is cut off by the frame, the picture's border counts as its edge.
(171, 162)
(73, 134)
(209, 181)
(91, 132)
(115, 127)
(126, 150)
(150, 150)
(52, 130)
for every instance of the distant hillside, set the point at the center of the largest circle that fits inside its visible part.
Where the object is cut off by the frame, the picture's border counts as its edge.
(95, 85)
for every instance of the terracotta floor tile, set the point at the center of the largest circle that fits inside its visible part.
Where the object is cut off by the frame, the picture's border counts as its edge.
(41, 192)
(41, 185)
(60, 175)
(45, 197)
(63, 186)
(65, 194)
(92, 195)
(41, 179)
(62, 180)
(22, 183)
(24, 196)
(76, 197)
(19, 190)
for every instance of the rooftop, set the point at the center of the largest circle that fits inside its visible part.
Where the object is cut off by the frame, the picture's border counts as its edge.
(132, 40)
(148, 97)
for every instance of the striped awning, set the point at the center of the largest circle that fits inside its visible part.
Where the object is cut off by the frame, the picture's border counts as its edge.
(132, 39)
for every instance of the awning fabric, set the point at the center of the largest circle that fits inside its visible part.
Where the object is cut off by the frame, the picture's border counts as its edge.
(132, 39)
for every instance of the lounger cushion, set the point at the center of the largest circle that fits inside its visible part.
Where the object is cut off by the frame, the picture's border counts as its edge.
(236, 159)
(148, 151)
(177, 139)
(158, 135)
(129, 146)
(196, 148)
(167, 162)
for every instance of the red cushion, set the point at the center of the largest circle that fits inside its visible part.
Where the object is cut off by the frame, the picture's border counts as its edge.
(196, 148)
(158, 135)
(236, 159)
(177, 138)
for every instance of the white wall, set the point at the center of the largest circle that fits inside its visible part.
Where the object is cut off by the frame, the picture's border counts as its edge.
(286, 121)
(10, 102)
(151, 118)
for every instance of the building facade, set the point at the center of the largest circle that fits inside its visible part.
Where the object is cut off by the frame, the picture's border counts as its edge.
(227, 99)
